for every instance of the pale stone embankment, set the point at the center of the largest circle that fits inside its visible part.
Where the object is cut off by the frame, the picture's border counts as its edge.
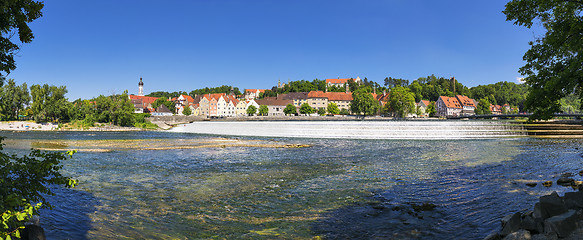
(27, 126)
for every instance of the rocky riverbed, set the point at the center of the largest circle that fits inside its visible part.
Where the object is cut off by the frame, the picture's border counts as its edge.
(553, 217)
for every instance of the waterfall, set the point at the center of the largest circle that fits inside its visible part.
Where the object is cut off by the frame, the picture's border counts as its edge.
(358, 129)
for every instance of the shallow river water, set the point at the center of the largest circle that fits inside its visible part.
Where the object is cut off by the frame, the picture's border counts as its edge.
(338, 188)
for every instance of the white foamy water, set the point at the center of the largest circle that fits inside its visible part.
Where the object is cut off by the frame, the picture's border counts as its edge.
(357, 129)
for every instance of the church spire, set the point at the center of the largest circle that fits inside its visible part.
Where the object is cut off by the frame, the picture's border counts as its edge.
(141, 88)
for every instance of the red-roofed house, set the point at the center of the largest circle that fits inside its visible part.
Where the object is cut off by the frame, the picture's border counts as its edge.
(253, 93)
(468, 105)
(142, 104)
(339, 82)
(447, 107)
(423, 104)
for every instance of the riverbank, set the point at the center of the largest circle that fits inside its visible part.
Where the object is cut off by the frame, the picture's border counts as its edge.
(20, 126)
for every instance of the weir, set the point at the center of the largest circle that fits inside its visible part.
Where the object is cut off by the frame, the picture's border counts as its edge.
(359, 129)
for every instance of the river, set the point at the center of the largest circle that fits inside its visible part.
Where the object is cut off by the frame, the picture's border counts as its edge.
(358, 185)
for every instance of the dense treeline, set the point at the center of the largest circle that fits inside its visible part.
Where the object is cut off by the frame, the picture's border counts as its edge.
(45, 103)
(222, 89)
(501, 93)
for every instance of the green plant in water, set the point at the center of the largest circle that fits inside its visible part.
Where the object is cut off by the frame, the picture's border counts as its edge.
(23, 181)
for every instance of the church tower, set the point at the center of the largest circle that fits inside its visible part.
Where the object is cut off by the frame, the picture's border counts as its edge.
(141, 88)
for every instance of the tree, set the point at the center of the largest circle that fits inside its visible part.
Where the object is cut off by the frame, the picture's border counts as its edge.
(306, 109)
(321, 111)
(431, 109)
(363, 103)
(554, 63)
(170, 105)
(401, 101)
(483, 107)
(186, 111)
(13, 99)
(25, 181)
(49, 103)
(14, 19)
(263, 110)
(251, 110)
(333, 109)
(290, 109)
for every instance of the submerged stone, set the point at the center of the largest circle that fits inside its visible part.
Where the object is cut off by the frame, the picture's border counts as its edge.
(548, 183)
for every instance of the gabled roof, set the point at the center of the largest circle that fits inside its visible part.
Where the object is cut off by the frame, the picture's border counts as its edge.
(255, 90)
(317, 94)
(145, 100)
(339, 96)
(188, 98)
(163, 109)
(337, 80)
(425, 102)
(450, 102)
(465, 101)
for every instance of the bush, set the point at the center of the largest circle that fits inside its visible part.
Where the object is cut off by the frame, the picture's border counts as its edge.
(23, 182)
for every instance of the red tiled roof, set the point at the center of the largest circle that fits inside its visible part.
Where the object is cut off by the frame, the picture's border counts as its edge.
(451, 102)
(146, 101)
(188, 98)
(465, 101)
(339, 96)
(337, 80)
(426, 102)
(255, 90)
(317, 94)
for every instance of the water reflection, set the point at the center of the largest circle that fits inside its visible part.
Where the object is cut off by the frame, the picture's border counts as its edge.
(338, 188)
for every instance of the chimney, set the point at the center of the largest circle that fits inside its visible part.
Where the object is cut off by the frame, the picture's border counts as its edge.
(384, 92)
(347, 88)
(374, 89)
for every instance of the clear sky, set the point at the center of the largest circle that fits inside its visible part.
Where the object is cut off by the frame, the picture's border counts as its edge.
(104, 47)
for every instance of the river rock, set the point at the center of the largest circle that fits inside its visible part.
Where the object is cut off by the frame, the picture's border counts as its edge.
(573, 200)
(531, 184)
(562, 224)
(32, 232)
(493, 236)
(567, 175)
(548, 183)
(512, 224)
(581, 173)
(565, 181)
(527, 221)
(518, 235)
(551, 205)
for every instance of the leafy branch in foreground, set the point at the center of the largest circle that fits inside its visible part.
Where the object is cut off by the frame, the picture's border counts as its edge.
(23, 182)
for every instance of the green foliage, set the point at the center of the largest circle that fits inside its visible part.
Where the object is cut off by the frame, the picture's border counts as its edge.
(401, 101)
(13, 99)
(432, 87)
(170, 105)
(306, 109)
(502, 93)
(570, 104)
(483, 107)
(321, 111)
(49, 103)
(396, 82)
(553, 63)
(290, 109)
(222, 89)
(26, 180)
(344, 112)
(186, 111)
(363, 103)
(251, 110)
(15, 18)
(430, 110)
(263, 110)
(333, 109)
(141, 121)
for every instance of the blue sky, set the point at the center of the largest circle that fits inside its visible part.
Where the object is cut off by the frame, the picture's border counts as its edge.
(104, 47)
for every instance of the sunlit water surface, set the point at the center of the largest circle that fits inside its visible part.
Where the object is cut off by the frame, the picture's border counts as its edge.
(337, 189)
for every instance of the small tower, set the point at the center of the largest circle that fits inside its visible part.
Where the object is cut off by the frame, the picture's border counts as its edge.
(141, 88)
(453, 83)
(278, 83)
(232, 93)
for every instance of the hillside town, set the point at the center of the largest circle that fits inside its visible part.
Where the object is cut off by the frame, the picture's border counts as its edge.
(230, 105)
